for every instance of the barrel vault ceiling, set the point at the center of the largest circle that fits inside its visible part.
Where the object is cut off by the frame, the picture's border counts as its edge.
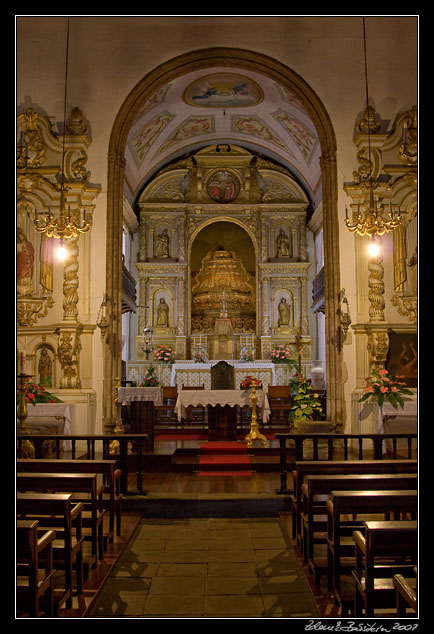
(225, 105)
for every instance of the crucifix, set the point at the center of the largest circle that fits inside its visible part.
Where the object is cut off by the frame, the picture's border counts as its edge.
(299, 345)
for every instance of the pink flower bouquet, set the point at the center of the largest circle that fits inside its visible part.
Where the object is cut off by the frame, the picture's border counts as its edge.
(381, 385)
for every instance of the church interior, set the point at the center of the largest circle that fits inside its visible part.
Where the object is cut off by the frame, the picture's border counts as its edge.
(216, 282)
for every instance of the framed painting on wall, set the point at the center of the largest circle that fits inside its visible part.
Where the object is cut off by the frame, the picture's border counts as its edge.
(402, 356)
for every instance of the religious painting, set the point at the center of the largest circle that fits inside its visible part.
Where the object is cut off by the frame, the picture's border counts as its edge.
(289, 96)
(303, 137)
(146, 136)
(254, 126)
(402, 356)
(223, 90)
(223, 186)
(25, 263)
(191, 127)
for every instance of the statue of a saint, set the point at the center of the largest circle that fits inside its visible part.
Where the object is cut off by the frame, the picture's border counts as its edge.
(284, 313)
(163, 245)
(45, 368)
(283, 247)
(163, 313)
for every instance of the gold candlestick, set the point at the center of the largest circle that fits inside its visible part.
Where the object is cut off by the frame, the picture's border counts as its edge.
(26, 448)
(119, 428)
(254, 429)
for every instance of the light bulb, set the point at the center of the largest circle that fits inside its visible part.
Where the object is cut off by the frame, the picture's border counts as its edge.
(373, 249)
(61, 251)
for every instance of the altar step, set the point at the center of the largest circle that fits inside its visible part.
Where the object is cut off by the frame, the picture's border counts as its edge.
(261, 459)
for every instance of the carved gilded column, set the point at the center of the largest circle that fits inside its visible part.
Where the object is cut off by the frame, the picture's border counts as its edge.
(181, 306)
(70, 283)
(143, 238)
(332, 288)
(378, 346)
(376, 288)
(266, 324)
(113, 341)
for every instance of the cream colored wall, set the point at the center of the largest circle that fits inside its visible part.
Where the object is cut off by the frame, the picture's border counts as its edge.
(109, 56)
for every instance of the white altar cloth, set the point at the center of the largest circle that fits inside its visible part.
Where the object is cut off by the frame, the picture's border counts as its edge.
(242, 398)
(50, 410)
(128, 394)
(392, 420)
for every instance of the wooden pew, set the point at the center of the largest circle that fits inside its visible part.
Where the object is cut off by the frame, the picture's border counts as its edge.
(34, 582)
(314, 513)
(59, 513)
(87, 488)
(382, 550)
(112, 496)
(322, 467)
(340, 529)
(406, 596)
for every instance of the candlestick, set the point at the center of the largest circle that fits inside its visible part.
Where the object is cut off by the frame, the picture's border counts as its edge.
(22, 362)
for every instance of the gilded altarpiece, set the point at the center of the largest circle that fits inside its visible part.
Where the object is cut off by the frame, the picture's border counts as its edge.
(223, 258)
(53, 299)
(387, 282)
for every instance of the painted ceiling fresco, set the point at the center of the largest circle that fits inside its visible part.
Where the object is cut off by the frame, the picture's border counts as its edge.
(225, 105)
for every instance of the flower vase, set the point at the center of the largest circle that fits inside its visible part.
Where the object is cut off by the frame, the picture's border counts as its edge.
(317, 375)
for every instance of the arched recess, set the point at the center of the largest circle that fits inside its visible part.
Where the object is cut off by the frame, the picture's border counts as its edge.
(244, 229)
(161, 75)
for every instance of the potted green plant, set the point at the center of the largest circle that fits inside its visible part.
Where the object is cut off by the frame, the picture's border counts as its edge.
(306, 412)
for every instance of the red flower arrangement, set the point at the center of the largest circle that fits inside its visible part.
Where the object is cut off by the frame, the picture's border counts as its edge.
(381, 385)
(35, 393)
(249, 382)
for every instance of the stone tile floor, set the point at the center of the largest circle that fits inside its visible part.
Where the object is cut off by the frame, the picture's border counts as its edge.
(207, 568)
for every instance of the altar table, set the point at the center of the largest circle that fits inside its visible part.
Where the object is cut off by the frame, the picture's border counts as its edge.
(392, 420)
(64, 412)
(240, 398)
(128, 394)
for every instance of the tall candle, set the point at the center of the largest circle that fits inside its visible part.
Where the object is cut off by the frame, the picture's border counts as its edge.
(22, 362)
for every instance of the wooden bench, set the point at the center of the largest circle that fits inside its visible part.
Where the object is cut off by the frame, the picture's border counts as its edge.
(343, 507)
(59, 513)
(341, 467)
(112, 496)
(316, 490)
(406, 596)
(34, 582)
(382, 549)
(86, 488)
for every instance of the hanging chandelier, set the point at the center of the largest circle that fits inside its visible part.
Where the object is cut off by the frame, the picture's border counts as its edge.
(371, 221)
(66, 225)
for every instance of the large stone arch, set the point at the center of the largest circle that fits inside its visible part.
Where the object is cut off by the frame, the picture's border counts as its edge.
(201, 59)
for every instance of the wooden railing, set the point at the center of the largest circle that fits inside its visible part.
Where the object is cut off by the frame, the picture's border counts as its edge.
(341, 442)
(101, 442)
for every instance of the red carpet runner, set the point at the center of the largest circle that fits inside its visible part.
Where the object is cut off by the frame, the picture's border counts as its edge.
(224, 459)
